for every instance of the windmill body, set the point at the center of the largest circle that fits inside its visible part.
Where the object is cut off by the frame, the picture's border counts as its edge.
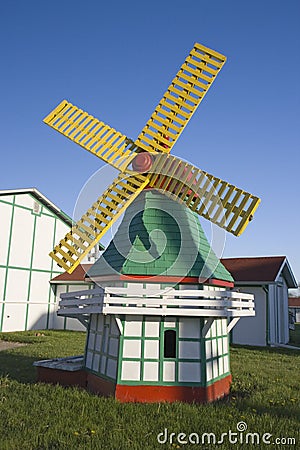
(159, 246)
(163, 304)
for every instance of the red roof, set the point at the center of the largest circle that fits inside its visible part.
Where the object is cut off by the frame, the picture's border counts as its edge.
(294, 302)
(256, 269)
(78, 274)
(265, 268)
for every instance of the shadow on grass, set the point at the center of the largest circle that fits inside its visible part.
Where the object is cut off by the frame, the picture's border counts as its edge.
(17, 366)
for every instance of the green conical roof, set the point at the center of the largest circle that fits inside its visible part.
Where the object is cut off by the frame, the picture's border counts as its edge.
(159, 237)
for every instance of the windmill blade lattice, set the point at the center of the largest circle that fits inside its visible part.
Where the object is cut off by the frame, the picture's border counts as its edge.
(181, 99)
(214, 199)
(94, 136)
(92, 226)
(147, 161)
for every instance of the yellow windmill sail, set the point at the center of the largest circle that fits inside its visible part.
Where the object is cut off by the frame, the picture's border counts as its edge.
(217, 200)
(98, 138)
(181, 99)
(92, 226)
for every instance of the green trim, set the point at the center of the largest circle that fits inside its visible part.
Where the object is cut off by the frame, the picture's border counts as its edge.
(142, 350)
(33, 270)
(101, 375)
(120, 358)
(266, 291)
(202, 354)
(30, 271)
(7, 261)
(68, 220)
(51, 268)
(212, 381)
(87, 341)
(65, 318)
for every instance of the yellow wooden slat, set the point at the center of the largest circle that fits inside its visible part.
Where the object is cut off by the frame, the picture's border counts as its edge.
(211, 52)
(203, 67)
(77, 242)
(206, 58)
(180, 102)
(91, 134)
(83, 234)
(182, 93)
(238, 209)
(97, 207)
(159, 126)
(164, 122)
(194, 66)
(64, 264)
(246, 219)
(66, 121)
(79, 124)
(104, 220)
(222, 186)
(190, 88)
(194, 82)
(72, 247)
(169, 115)
(91, 218)
(207, 192)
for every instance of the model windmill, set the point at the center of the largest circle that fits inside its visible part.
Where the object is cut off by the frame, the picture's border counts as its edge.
(163, 305)
(146, 162)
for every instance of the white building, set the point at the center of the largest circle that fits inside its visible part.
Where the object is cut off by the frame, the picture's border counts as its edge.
(30, 225)
(269, 279)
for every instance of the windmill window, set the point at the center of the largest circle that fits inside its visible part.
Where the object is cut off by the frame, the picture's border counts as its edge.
(170, 344)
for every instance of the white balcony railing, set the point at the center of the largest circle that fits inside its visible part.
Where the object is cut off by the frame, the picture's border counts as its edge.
(168, 302)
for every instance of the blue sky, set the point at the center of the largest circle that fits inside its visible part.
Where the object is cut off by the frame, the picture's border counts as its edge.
(115, 60)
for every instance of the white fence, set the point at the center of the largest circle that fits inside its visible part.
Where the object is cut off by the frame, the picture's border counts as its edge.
(168, 302)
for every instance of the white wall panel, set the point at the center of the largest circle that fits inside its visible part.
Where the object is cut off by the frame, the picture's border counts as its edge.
(189, 372)
(25, 200)
(152, 327)
(189, 328)
(252, 330)
(5, 220)
(39, 287)
(22, 236)
(43, 242)
(17, 285)
(111, 368)
(133, 326)
(37, 316)
(169, 371)
(189, 350)
(14, 317)
(130, 370)
(2, 282)
(151, 371)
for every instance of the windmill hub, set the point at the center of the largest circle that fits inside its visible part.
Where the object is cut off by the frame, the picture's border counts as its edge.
(142, 162)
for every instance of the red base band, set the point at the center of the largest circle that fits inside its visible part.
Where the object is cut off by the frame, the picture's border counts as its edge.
(138, 393)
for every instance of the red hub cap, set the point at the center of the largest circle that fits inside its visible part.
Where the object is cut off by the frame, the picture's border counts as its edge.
(142, 162)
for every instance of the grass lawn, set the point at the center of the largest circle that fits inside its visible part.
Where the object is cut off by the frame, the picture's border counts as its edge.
(265, 395)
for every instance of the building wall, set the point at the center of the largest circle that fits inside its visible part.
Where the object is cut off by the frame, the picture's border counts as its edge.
(198, 360)
(137, 354)
(28, 232)
(252, 330)
(67, 323)
(101, 356)
(278, 313)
